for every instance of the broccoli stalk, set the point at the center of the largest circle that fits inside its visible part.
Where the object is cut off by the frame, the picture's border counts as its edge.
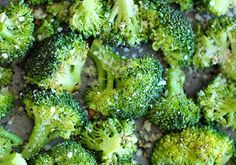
(121, 79)
(55, 115)
(12, 159)
(16, 32)
(114, 138)
(87, 17)
(174, 111)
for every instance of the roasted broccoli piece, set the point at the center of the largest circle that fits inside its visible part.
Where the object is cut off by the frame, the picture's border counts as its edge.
(218, 102)
(12, 159)
(71, 153)
(16, 31)
(127, 86)
(88, 17)
(218, 8)
(65, 153)
(42, 159)
(184, 4)
(197, 145)
(175, 110)
(114, 139)
(6, 97)
(57, 62)
(8, 140)
(55, 115)
(125, 23)
(212, 44)
(173, 34)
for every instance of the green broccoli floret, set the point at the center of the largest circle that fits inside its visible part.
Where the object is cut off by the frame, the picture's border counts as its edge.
(48, 28)
(175, 110)
(216, 7)
(125, 23)
(200, 145)
(16, 32)
(12, 159)
(8, 140)
(127, 86)
(218, 102)
(55, 115)
(212, 46)
(59, 10)
(42, 159)
(173, 34)
(57, 62)
(71, 153)
(88, 17)
(114, 139)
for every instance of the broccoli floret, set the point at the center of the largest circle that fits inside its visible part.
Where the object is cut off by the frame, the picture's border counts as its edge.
(200, 145)
(125, 23)
(8, 140)
(48, 28)
(174, 111)
(71, 153)
(55, 115)
(59, 10)
(57, 62)
(88, 17)
(212, 46)
(216, 7)
(127, 86)
(12, 159)
(173, 34)
(218, 102)
(42, 159)
(16, 32)
(114, 139)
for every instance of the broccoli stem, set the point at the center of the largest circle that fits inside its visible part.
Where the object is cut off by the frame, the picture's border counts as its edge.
(110, 80)
(175, 83)
(38, 139)
(16, 140)
(12, 159)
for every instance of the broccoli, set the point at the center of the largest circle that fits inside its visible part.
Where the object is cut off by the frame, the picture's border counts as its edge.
(71, 153)
(59, 10)
(218, 102)
(8, 140)
(55, 115)
(218, 8)
(48, 28)
(114, 139)
(65, 153)
(184, 4)
(173, 34)
(12, 159)
(174, 111)
(126, 86)
(57, 62)
(88, 17)
(6, 97)
(212, 46)
(197, 145)
(16, 32)
(42, 159)
(124, 21)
